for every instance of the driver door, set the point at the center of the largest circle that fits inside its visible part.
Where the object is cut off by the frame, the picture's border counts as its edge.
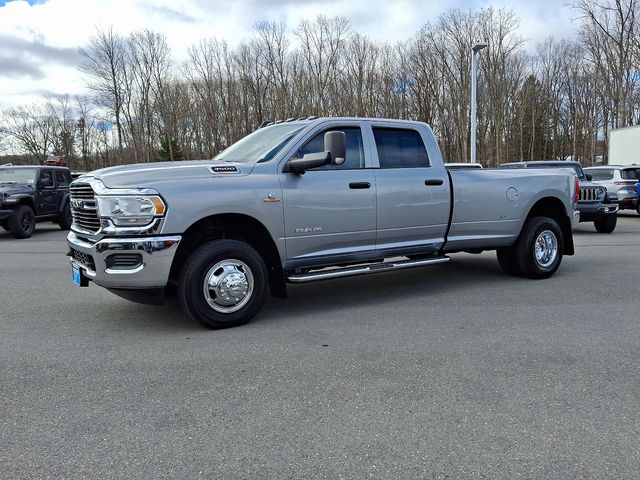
(330, 211)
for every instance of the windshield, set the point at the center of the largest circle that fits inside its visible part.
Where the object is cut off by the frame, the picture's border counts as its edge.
(260, 145)
(17, 175)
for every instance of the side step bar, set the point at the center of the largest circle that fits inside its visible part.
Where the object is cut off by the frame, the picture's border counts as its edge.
(363, 269)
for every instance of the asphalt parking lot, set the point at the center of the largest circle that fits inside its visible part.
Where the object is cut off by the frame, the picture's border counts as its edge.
(450, 371)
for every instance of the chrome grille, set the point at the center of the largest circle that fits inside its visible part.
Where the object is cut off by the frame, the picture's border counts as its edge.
(84, 209)
(83, 259)
(591, 194)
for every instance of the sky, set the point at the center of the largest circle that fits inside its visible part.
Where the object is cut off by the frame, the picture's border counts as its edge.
(40, 39)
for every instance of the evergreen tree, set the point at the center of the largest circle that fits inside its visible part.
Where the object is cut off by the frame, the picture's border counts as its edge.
(169, 149)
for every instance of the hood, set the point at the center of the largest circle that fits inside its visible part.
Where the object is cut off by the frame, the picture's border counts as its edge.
(7, 189)
(151, 175)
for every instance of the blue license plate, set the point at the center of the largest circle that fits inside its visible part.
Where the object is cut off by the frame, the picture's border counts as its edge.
(77, 276)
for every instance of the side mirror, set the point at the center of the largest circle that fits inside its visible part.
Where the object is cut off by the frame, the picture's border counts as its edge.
(588, 176)
(335, 147)
(45, 182)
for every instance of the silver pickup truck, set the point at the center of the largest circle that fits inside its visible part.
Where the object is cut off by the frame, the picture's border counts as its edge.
(306, 200)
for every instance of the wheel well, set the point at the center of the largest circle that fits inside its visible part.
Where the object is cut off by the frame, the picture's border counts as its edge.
(235, 227)
(28, 202)
(552, 207)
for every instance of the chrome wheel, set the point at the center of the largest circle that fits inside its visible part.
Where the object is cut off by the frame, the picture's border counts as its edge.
(228, 286)
(546, 249)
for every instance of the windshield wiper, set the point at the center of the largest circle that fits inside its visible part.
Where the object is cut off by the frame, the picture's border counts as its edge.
(8, 182)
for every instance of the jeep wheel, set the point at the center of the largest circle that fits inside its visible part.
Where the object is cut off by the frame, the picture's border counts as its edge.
(65, 219)
(539, 248)
(23, 222)
(606, 223)
(223, 284)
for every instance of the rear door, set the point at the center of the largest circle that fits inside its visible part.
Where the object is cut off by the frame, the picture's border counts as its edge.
(330, 211)
(413, 196)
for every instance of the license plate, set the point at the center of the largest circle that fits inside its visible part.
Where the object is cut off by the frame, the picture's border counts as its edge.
(77, 276)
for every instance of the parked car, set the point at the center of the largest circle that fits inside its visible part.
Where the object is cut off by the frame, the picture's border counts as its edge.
(621, 180)
(302, 201)
(31, 194)
(594, 203)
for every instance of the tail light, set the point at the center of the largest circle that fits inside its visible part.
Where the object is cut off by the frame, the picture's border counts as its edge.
(576, 194)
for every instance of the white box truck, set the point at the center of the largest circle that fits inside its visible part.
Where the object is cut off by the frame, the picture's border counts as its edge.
(624, 146)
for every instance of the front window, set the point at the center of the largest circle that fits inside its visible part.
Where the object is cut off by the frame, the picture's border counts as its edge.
(17, 176)
(261, 145)
(354, 155)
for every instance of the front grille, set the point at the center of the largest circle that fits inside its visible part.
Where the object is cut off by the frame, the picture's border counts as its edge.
(124, 261)
(84, 209)
(589, 194)
(83, 259)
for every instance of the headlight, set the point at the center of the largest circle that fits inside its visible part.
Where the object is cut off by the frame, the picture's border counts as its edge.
(130, 211)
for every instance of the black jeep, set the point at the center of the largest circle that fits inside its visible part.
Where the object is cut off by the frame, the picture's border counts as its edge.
(31, 194)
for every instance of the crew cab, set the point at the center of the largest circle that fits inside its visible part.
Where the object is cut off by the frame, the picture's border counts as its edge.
(307, 200)
(31, 194)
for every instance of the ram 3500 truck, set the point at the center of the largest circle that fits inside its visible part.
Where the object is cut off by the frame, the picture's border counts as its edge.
(306, 200)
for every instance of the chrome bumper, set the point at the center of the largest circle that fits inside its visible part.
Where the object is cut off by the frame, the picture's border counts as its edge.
(156, 254)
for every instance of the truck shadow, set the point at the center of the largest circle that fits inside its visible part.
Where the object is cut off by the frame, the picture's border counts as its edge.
(463, 272)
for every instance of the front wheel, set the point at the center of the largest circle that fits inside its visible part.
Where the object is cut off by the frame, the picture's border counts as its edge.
(23, 222)
(606, 223)
(539, 248)
(223, 284)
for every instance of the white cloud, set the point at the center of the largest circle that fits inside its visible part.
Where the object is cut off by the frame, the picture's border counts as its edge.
(51, 31)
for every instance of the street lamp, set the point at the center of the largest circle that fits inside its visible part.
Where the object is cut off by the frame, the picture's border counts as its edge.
(474, 86)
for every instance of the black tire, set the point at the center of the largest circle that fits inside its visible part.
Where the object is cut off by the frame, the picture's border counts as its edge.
(222, 259)
(606, 223)
(507, 261)
(65, 219)
(543, 263)
(23, 222)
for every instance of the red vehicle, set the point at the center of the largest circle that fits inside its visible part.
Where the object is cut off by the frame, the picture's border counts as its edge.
(55, 161)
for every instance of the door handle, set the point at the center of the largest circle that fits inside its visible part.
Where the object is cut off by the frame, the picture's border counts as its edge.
(433, 182)
(359, 185)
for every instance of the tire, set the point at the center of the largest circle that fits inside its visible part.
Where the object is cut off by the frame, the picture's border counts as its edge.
(65, 220)
(606, 223)
(539, 248)
(229, 264)
(507, 261)
(23, 222)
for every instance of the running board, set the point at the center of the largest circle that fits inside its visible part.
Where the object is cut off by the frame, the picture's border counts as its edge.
(363, 269)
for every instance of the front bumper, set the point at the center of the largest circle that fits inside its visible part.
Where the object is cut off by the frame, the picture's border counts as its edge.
(5, 214)
(590, 211)
(155, 253)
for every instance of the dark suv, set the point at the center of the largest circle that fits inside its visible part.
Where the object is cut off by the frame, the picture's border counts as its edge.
(595, 204)
(31, 194)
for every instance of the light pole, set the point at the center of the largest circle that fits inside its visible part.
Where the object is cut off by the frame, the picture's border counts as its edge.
(474, 86)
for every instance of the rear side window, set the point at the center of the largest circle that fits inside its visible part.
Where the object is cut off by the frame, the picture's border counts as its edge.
(630, 173)
(601, 174)
(61, 179)
(400, 148)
